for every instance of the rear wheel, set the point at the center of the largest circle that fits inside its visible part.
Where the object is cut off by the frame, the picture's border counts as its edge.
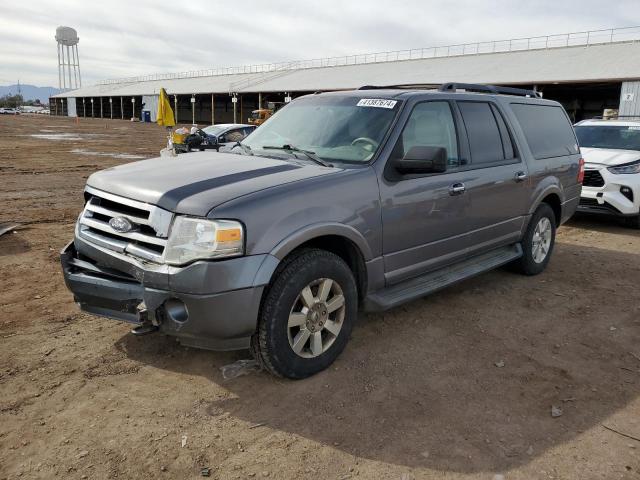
(633, 222)
(538, 241)
(307, 315)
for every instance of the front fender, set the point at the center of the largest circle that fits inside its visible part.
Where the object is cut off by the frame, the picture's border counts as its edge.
(297, 238)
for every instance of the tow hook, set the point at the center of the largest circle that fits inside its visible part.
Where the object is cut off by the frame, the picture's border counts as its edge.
(145, 327)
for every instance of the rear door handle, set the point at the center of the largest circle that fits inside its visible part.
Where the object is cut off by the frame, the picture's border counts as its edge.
(521, 176)
(457, 189)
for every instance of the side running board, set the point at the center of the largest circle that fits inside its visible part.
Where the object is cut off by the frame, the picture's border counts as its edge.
(420, 286)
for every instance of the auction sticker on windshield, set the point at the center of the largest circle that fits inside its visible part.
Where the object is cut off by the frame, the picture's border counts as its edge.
(377, 103)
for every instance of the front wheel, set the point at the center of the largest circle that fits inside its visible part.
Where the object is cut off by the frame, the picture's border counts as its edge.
(633, 222)
(307, 315)
(538, 241)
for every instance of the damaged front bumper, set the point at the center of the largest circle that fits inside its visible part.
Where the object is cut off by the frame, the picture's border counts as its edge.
(212, 305)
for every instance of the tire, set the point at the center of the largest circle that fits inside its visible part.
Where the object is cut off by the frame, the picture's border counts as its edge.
(633, 222)
(532, 261)
(292, 343)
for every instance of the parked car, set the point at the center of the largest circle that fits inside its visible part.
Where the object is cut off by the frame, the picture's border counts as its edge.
(611, 150)
(9, 111)
(215, 137)
(258, 117)
(346, 200)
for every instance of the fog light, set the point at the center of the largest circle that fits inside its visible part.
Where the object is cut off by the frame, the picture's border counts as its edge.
(627, 192)
(176, 310)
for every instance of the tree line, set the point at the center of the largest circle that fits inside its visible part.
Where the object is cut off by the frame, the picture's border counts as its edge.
(14, 101)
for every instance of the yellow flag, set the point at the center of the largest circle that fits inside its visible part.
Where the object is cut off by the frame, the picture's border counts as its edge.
(165, 112)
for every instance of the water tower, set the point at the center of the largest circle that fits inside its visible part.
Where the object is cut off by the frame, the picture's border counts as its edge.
(67, 39)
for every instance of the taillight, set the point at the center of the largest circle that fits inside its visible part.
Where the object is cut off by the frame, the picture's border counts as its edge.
(581, 171)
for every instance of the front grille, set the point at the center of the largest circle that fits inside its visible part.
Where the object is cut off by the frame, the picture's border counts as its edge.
(146, 240)
(588, 202)
(80, 264)
(593, 204)
(592, 178)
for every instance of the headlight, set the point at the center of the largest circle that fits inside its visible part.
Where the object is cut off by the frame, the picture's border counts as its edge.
(198, 239)
(633, 167)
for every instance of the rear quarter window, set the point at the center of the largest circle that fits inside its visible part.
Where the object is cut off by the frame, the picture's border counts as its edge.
(547, 130)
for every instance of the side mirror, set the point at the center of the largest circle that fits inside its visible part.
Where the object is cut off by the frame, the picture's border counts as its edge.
(220, 139)
(423, 159)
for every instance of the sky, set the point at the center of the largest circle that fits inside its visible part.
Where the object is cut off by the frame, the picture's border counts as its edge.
(121, 38)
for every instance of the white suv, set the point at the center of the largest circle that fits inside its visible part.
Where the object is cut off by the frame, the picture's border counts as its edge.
(611, 151)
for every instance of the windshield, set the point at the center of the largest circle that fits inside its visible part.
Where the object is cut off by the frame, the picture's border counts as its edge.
(614, 137)
(214, 130)
(334, 128)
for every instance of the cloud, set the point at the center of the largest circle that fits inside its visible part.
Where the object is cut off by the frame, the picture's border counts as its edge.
(125, 38)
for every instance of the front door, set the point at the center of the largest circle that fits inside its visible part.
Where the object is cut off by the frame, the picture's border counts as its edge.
(420, 213)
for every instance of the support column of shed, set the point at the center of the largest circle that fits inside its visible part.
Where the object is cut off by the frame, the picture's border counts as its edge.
(175, 108)
(234, 100)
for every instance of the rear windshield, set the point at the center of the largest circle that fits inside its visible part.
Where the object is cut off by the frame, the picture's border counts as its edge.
(214, 130)
(614, 137)
(547, 130)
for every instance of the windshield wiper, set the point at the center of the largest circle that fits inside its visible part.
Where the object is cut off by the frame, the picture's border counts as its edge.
(291, 148)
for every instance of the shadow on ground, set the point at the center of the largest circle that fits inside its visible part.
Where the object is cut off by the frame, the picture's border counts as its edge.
(604, 224)
(12, 244)
(423, 385)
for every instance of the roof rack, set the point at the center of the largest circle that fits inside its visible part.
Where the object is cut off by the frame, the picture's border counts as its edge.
(407, 86)
(473, 87)
(452, 87)
(614, 117)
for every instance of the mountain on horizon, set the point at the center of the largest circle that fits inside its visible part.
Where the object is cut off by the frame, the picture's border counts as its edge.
(30, 92)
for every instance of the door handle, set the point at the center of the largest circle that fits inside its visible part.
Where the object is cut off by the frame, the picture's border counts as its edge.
(457, 189)
(521, 176)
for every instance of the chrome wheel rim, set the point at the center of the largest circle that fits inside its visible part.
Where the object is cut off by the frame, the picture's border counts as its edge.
(316, 318)
(541, 240)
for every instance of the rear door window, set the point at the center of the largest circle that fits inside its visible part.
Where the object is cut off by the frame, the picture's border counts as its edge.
(547, 129)
(488, 136)
(507, 143)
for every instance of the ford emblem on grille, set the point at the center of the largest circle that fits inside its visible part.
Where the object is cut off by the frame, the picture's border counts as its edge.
(121, 224)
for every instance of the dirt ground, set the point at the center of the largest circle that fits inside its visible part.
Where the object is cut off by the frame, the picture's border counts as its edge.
(458, 385)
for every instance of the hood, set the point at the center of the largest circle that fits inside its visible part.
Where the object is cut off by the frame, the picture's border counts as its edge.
(609, 157)
(195, 183)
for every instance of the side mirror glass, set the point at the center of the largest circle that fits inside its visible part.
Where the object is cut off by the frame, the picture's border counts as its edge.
(220, 139)
(423, 159)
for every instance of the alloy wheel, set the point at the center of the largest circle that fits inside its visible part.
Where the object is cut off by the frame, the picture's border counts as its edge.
(316, 318)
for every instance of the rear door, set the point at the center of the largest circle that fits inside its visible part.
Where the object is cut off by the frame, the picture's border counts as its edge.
(498, 177)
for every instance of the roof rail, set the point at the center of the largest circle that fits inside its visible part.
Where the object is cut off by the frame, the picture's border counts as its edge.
(473, 87)
(407, 86)
(613, 117)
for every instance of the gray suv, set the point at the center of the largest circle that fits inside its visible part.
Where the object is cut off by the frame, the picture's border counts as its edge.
(341, 201)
